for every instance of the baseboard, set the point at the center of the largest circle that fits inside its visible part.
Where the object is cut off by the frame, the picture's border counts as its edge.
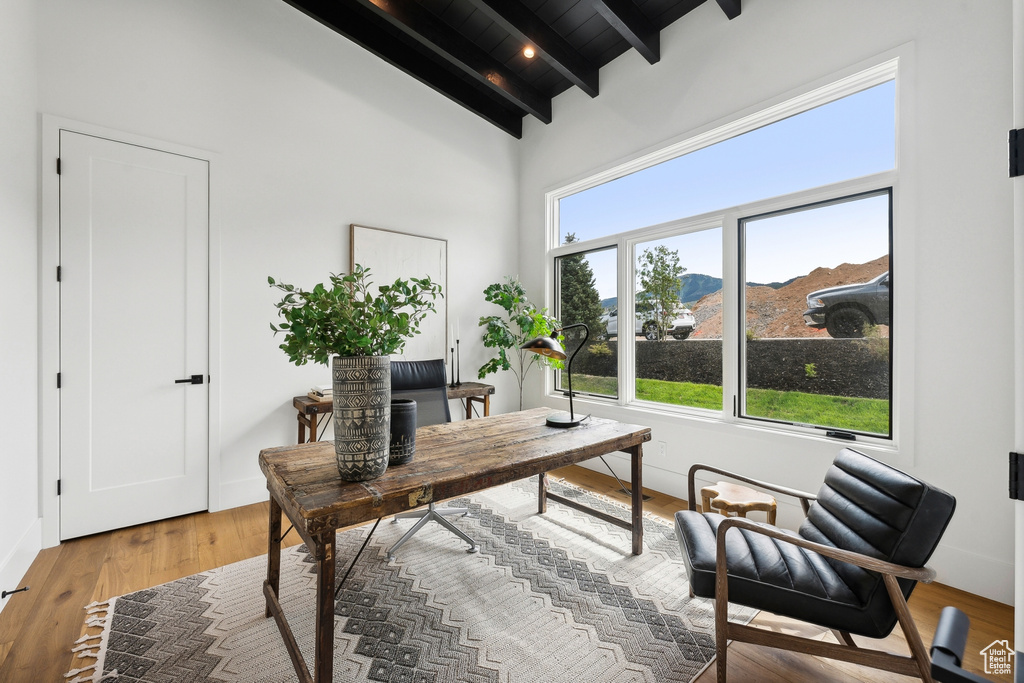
(235, 494)
(14, 567)
(979, 574)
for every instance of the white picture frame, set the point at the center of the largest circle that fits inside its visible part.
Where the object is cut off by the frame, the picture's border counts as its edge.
(389, 255)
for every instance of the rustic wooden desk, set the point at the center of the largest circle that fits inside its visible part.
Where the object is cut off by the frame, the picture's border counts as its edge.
(452, 459)
(310, 409)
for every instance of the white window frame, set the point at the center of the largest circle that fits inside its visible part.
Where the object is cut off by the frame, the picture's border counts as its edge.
(898, 449)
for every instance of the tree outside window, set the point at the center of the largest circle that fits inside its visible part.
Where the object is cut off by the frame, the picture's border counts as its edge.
(658, 272)
(579, 300)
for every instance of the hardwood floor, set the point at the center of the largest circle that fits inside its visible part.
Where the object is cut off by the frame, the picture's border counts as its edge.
(37, 628)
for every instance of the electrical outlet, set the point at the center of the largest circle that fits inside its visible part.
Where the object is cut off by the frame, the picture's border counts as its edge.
(662, 449)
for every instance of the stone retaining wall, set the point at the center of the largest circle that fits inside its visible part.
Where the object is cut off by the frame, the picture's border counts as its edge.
(841, 367)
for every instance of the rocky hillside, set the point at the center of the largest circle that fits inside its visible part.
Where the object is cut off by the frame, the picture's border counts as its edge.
(775, 313)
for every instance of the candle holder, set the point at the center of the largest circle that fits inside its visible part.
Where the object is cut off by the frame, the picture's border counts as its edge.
(458, 360)
(452, 385)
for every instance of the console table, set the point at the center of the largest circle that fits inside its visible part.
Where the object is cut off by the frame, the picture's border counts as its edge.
(310, 409)
(452, 459)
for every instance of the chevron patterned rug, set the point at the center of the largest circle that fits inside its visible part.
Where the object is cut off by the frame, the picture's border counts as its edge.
(553, 597)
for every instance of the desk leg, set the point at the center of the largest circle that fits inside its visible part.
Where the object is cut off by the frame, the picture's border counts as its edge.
(323, 658)
(274, 551)
(542, 494)
(302, 429)
(487, 405)
(469, 407)
(638, 499)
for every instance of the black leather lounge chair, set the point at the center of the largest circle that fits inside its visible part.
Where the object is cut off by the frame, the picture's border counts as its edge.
(850, 567)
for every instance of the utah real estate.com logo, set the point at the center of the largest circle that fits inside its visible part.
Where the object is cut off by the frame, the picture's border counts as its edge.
(998, 657)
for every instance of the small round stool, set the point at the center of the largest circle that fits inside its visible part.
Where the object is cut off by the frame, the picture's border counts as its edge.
(727, 498)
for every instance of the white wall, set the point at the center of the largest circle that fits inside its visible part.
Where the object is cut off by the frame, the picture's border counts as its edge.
(311, 133)
(19, 170)
(959, 219)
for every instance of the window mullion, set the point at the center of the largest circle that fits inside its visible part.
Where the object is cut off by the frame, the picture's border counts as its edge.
(624, 303)
(731, 291)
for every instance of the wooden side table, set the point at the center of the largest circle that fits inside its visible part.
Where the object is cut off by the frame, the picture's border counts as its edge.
(310, 409)
(472, 392)
(726, 498)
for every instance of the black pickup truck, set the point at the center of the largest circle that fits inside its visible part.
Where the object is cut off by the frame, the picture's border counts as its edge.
(847, 311)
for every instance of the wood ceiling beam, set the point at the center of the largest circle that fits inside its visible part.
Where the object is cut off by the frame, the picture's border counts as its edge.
(730, 7)
(441, 39)
(526, 26)
(367, 30)
(632, 25)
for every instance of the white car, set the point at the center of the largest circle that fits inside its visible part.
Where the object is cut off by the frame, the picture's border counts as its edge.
(681, 326)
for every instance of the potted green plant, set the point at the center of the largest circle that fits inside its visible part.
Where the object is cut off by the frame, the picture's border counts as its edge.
(342, 322)
(507, 333)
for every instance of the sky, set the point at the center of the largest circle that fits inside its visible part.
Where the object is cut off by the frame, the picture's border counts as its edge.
(848, 138)
(782, 247)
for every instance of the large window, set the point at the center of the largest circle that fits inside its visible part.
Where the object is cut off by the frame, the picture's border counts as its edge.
(746, 272)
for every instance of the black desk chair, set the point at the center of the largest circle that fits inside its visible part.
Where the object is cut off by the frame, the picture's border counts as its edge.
(850, 567)
(424, 382)
(948, 648)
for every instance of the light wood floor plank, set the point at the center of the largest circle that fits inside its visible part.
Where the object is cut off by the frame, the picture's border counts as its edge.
(37, 628)
(41, 651)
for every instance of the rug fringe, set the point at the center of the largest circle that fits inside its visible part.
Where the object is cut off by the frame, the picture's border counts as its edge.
(99, 615)
(91, 679)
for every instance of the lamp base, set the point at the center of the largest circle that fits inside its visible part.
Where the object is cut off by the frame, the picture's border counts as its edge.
(563, 420)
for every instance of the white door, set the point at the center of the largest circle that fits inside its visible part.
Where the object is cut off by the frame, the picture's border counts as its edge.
(134, 282)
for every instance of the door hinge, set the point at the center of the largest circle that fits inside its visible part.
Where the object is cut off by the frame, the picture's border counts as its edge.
(58, 165)
(58, 487)
(1016, 474)
(58, 380)
(58, 273)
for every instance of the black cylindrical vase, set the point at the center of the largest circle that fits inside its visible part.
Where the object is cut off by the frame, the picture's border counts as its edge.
(403, 431)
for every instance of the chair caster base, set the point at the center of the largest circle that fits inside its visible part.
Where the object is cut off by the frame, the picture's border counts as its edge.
(432, 513)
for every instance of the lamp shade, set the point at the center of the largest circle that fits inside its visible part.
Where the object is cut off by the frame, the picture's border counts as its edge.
(545, 346)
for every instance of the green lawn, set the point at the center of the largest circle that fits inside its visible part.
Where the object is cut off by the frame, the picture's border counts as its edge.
(858, 414)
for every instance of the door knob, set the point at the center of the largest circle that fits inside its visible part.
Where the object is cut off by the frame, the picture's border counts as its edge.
(194, 379)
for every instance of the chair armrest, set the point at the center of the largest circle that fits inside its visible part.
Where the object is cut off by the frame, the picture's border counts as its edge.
(804, 497)
(923, 574)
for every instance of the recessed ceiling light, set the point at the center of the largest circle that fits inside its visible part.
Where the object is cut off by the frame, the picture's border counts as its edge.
(528, 52)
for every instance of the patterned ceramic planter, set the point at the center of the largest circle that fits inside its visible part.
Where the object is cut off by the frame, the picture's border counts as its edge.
(362, 415)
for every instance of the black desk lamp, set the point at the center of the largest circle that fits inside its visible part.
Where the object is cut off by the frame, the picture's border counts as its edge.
(549, 346)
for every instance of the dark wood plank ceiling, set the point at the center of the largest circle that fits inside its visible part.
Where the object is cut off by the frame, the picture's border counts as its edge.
(471, 51)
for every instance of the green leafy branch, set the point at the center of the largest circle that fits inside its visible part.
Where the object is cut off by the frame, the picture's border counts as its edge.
(343, 318)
